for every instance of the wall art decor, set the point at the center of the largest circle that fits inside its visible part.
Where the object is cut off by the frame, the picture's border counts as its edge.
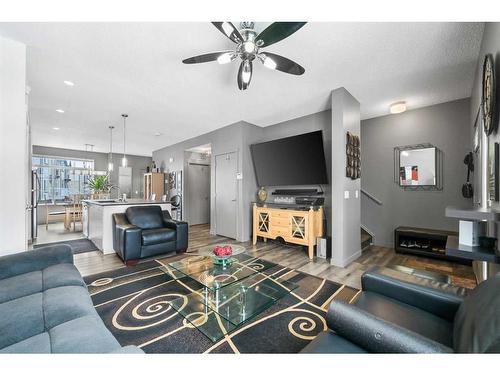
(489, 96)
(353, 156)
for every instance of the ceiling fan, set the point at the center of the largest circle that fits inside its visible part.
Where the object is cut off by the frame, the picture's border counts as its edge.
(248, 45)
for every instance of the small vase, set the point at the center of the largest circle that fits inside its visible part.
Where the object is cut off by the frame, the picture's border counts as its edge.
(262, 195)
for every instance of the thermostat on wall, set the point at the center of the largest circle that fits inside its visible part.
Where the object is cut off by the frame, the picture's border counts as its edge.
(239, 176)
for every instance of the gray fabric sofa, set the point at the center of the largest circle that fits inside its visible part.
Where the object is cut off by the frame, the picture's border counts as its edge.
(45, 306)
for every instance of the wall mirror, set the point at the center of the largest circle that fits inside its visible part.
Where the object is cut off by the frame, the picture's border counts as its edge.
(418, 167)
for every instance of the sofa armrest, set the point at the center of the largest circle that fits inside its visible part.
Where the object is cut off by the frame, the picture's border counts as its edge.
(34, 260)
(181, 229)
(377, 335)
(435, 297)
(127, 238)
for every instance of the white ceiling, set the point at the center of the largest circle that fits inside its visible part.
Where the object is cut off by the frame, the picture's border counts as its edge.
(136, 68)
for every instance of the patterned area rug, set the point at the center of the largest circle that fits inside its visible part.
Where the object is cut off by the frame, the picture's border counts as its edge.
(79, 246)
(134, 304)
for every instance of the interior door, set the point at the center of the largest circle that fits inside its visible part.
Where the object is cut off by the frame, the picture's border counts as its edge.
(198, 193)
(225, 194)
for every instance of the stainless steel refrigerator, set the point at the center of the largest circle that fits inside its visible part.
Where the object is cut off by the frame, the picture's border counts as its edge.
(35, 186)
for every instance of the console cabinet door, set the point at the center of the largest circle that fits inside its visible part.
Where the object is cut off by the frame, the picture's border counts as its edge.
(263, 222)
(299, 225)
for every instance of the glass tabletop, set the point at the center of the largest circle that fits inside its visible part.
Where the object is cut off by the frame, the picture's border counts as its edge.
(222, 311)
(212, 276)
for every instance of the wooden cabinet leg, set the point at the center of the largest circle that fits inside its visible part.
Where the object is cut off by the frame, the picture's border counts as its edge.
(254, 239)
(311, 252)
(265, 239)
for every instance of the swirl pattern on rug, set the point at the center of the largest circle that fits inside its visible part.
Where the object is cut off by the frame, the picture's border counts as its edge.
(134, 304)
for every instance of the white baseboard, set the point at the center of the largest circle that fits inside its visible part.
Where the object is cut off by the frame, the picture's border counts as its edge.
(345, 262)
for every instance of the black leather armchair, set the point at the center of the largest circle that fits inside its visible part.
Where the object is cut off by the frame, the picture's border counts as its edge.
(401, 313)
(144, 231)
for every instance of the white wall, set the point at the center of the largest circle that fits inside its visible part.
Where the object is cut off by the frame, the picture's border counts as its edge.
(346, 213)
(13, 147)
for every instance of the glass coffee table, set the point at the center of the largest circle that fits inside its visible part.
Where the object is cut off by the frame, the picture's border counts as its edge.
(223, 298)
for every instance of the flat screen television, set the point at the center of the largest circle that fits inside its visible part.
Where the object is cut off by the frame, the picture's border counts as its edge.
(297, 160)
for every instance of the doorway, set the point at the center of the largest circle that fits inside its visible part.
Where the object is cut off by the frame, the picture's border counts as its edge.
(198, 193)
(226, 167)
(197, 184)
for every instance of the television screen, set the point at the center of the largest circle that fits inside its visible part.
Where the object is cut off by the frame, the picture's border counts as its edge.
(297, 160)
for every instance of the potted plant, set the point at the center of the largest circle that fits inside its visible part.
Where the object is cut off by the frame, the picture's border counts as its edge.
(99, 185)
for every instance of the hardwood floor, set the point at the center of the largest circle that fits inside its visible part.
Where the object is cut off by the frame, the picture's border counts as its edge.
(56, 232)
(296, 257)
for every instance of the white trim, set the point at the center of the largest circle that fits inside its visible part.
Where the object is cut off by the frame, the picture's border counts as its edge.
(347, 261)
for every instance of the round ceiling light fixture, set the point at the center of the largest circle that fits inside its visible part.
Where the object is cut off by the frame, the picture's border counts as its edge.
(398, 107)
(60, 110)
(68, 83)
(56, 128)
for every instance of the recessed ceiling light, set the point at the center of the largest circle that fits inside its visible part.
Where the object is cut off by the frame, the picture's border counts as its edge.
(398, 107)
(157, 134)
(69, 83)
(55, 128)
(60, 110)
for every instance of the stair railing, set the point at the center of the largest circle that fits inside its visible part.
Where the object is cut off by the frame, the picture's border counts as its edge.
(373, 198)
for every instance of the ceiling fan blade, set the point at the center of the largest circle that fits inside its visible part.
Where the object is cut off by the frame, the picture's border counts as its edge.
(277, 62)
(228, 29)
(277, 31)
(245, 74)
(222, 57)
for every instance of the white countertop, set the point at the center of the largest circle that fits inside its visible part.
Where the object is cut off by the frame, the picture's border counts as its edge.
(116, 202)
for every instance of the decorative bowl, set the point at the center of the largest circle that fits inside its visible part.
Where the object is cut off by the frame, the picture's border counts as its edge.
(222, 255)
(223, 260)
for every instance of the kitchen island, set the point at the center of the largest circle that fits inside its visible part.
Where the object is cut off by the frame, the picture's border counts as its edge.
(97, 219)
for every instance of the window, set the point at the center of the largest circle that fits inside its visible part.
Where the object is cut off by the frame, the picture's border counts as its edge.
(60, 178)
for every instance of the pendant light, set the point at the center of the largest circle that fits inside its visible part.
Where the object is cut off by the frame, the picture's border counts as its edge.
(110, 156)
(124, 160)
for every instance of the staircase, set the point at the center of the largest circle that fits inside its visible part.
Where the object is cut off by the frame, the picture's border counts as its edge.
(366, 239)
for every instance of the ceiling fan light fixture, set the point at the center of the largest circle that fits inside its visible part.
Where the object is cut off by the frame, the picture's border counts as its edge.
(249, 47)
(227, 27)
(246, 73)
(225, 58)
(269, 63)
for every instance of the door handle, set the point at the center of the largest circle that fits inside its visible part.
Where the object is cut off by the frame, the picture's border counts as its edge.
(233, 200)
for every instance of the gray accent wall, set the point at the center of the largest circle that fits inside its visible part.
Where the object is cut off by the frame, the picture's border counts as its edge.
(238, 137)
(223, 140)
(446, 126)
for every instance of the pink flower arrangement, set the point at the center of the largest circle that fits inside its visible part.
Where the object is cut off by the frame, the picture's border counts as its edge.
(222, 251)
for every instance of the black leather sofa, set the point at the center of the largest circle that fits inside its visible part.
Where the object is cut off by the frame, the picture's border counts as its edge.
(401, 313)
(144, 231)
